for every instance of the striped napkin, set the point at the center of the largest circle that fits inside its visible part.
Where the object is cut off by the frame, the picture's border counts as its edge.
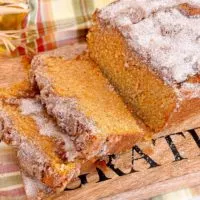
(29, 27)
(11, 185)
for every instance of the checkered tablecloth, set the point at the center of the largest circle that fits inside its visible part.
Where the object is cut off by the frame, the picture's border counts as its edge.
(29, 27)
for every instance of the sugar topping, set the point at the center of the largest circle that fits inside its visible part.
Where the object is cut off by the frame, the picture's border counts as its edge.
(166, 37)
(33, 187)
(189, 91)
(30, 106)
(134, 10)
(46, 125)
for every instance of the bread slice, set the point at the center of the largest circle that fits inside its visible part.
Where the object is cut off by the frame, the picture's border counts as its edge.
(35, 189)
(86, 106)
(149, 50)
(43, 150)
(15, 78)
(67, 52)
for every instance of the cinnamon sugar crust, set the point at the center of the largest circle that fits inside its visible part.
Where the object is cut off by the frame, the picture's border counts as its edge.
(165, 28)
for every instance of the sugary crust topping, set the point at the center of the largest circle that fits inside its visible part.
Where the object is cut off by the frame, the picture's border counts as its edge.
(188, 91)
(165, 33)
(34, 187)
(132, 8)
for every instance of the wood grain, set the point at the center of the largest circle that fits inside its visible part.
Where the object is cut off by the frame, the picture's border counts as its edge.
(164, 164)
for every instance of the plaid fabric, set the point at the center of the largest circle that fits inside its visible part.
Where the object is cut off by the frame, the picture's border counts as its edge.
(51, 24)
(11, 185)
(37, 26)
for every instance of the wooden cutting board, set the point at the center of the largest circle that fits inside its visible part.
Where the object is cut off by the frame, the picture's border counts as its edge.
(165, 163)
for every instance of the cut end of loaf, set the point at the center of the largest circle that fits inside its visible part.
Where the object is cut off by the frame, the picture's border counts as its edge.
(149, 97)
(146, 49)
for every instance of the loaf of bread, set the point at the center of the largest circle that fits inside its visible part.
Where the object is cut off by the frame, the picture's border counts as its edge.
(150, 52)
(43, 151)
(86, 106)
